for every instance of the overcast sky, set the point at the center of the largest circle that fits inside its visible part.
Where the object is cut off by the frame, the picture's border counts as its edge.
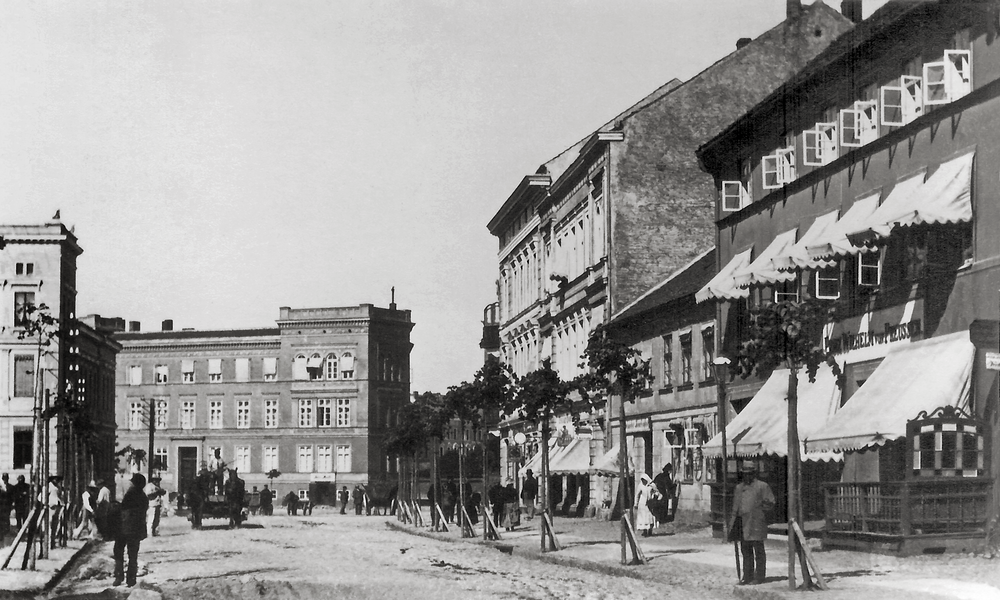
(222, 159)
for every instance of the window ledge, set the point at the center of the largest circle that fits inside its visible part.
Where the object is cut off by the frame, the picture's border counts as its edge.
(666, 390)
(685, 386)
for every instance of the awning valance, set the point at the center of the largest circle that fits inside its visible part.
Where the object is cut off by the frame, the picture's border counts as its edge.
(761, 271)
(916, 377)
(572, 460)
(762, 427)
(797, 256)
(722, 286)
(834, 240)
(609, 465)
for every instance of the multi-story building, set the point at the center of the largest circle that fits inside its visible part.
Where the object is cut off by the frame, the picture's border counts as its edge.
(72, 371)
(613, 215)
(870, 181)
(311, 398)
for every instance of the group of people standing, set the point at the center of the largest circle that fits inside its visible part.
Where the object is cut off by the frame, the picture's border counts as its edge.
(13, 497)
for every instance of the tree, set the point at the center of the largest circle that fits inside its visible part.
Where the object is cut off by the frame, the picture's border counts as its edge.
(615, 369)
(789, 334)
(272, 475)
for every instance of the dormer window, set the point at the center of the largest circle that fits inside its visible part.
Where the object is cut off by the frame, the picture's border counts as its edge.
(949, 79)
(902, 103)
(859, 125)
(819, 144)
(779, 168)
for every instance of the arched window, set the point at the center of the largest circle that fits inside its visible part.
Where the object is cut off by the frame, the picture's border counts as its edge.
(332, 370)
(347, 365)
(315, 367)
(299, 368)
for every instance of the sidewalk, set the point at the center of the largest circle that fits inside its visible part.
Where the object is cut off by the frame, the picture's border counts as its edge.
(688, 555)
(17, 583)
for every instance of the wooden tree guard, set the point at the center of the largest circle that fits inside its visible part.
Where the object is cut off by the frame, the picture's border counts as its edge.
(638, 558)
(468, 530)
(441, 525)
(29, 522)
(489, 527)
(402, 512)
(549, 534)
(418, 519)
(820, 581)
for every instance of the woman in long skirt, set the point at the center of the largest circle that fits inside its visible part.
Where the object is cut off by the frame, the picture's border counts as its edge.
(644, 521)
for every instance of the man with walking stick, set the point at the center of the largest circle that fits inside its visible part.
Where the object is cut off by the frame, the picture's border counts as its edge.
(748, 525)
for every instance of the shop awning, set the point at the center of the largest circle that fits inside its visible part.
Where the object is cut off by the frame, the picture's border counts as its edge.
(761, 271)
(535, 462)
(797, 256)
(315, 362)
(944, 198)
(834, 240)
(572, 460)
(722, 286)
(609, 465)
(762, 427)
(912, 378)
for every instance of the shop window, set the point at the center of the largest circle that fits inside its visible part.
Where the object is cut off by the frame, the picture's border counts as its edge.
(947, 443)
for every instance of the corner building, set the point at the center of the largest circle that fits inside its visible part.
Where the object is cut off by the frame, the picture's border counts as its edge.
(311, 398)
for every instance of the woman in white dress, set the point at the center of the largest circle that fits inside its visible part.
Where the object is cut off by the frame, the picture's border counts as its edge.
(644, 521)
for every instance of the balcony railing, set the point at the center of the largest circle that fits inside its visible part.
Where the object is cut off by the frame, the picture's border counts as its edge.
(941, 505)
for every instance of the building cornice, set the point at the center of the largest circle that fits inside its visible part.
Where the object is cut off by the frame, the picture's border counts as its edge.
(201, 346)
(531, 186)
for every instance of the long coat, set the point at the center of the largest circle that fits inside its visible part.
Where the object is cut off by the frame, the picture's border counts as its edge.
(750, 502)
(643, 516)
(133, 520)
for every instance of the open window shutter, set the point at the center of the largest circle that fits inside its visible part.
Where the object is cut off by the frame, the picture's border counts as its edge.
(849, 122)
(958, 69)
(770, 168)
(935, 83)
(732, 195)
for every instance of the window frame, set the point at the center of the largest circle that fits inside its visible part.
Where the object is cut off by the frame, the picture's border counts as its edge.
(271, 413)
(189, 415)
(820, 277)
(307, 413)
(343, 416)
(136, 410)
(740, 194)
(821, 143)
(241, 463)
(215, 417)
(305, 452)
(324, 412)
(864, 269)
(324, 460)
(22, 309)
(242, 413)
(161, 374)
(343, 451)
(910, 104)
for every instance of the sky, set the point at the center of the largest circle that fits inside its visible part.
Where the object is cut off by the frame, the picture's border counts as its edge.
(221, 159)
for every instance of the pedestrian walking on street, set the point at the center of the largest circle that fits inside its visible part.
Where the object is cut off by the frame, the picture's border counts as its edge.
(21, 499)
(154, 493)
(495, 495)
(748, 524)
(6, 503)
(359, 499)
(511, 511)
(86, 512)
(345, 497)
(266, 501)
(529, 491)
(291, 502)
(644, 520)
(254, 501)
(132, 530)
(101, 509)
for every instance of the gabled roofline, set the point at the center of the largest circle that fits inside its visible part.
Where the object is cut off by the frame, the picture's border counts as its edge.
(594, 145)
(529, 186)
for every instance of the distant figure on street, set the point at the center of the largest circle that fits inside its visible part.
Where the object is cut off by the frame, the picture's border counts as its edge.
(254, 501)
(358, 495)
(154, 493)
(748, 524)
(511, 512)
(101, 509)
(291, 502)
(86, 512)
(22, 498)
(449, 501)
(6, 503)
(266, 501)
(529, 491)
(236, 491)
(132, 530)
(345, 497)
(644, 521)
(496, 495)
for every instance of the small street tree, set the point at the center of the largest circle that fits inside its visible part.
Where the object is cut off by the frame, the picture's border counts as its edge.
(462, 403)
(790, 334)
(494, 390)
(616, 369)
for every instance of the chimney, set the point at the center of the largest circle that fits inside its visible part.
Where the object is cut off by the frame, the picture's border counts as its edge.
(133, 326)
(793, 8)
(851, 9)
(168, 325)
(743, 43)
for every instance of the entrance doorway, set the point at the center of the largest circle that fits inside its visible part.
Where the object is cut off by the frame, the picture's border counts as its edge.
(187, 468)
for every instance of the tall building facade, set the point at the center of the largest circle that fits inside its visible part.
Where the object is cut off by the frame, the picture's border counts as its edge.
(311, 398)
(72, 371)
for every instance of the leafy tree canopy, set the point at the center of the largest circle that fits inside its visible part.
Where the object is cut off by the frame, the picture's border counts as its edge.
(540, 394)
(614, 368)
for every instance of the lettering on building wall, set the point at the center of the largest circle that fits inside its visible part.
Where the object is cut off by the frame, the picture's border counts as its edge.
(864, 339)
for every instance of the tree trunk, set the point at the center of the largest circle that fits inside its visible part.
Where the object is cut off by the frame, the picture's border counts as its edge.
(545, 474)
(794, 504)
(622, 476)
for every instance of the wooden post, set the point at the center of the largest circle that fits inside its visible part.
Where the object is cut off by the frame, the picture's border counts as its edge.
(792, 470)
(820, 581)
(622, 476)
(638, 558)
(546, 516)
(25, 527)
(905, 510)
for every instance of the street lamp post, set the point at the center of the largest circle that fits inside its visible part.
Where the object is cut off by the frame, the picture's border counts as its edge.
(721, 365)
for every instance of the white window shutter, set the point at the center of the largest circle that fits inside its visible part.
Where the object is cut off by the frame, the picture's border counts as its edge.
(347, 363)
(734, 196)
(770, 171)
(891, 101)
(935, 83)
(270, 365)
(958, 69)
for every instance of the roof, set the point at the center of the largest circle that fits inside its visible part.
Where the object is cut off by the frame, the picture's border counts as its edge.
(684, 282)
(195, 333)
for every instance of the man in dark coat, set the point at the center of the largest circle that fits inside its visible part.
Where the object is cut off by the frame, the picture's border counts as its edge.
(22, 495)
(359, 499)
(132, 530)
(266, 501)
(236, 491)
(528, 493)
(345, 497)
(291, 502)
(496, 496)
(751, 500)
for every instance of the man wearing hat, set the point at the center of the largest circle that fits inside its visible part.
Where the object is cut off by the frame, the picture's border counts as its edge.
(132, 530)
(751, 500)
(154, 493)
(529, 490)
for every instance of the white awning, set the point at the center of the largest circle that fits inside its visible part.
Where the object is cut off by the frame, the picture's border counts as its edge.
(535, 462)
(797, 255)
(912, 378)
(609, 464)
(722, 286)
(834, 240)
(215, 366)
(315, 362)
(270, 365)
(187, 366)
(761, 271)
(882, 220)
(946, 197)
(573, 460)
(762, 427)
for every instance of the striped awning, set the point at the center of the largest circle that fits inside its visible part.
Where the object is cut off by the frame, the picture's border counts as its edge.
(722, 286)
(797, 255)
(834, 242)
(761, 271)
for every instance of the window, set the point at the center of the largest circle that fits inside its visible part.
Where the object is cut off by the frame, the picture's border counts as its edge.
(735, 196)
(24, 439)
(787, 291)
(902, 103)
(668, 360)
(331, 367)
(305, 464)
(779, 168)
(270, 414)
(949, 79)
(299, 368)
(243, 414)
(597, 197)
(161, 372)
(161, 414)
(306, 415)
(859, 125)
(343, 459)
(135, 375)
(160, 459)
(270, 458)
(24, 269)
(24, 304)
(215, 414)
(869, 269)
(215, 369)
(187, 415)
(270, 368)
(347, 366)
(707, 353)
(686, 358)
(343, 412)
(24, 376)
(314, 367)
(187, 371)
(135, 414)
(819, 144)
(828, 283)
(324, 459)
(243, 459)
(242, 369)
(324, 412)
